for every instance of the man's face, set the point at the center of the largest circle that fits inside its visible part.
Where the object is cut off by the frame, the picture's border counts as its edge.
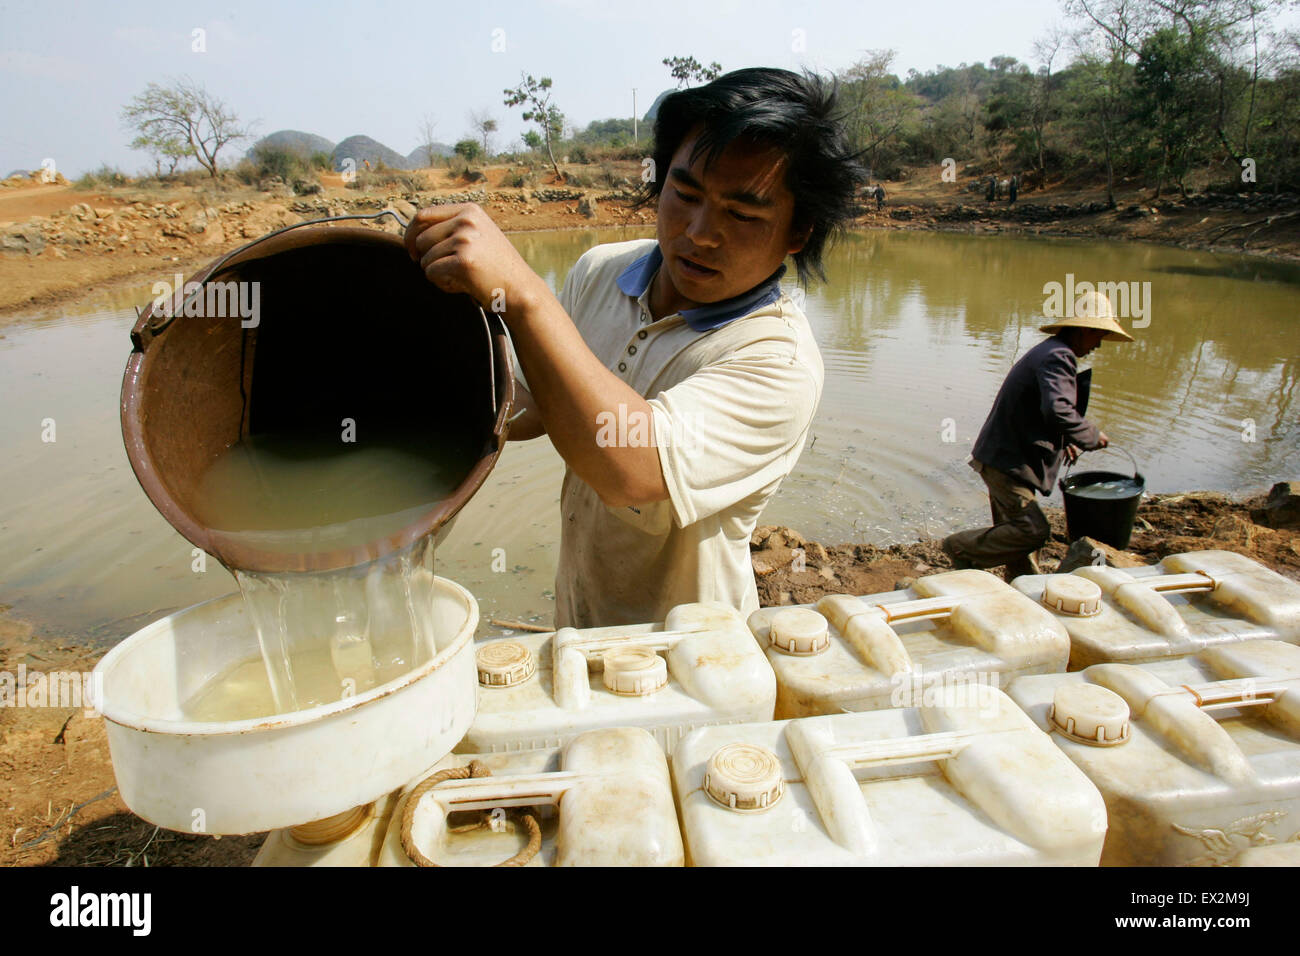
(725, 229)
(1088, 340)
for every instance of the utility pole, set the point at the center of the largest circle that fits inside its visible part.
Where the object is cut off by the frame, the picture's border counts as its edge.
(635, 138)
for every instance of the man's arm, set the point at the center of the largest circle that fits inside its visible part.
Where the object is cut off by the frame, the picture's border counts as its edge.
(1058, 394)
(460, 249)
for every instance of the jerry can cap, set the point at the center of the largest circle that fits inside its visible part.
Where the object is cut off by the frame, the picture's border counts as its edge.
(1071, 594)
(1090, 715)
(800, 631)
(744, 777)
(635, 671)
(504, 664)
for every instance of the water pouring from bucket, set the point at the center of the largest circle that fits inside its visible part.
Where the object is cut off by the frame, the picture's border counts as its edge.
(318, 450)
(1102, 504)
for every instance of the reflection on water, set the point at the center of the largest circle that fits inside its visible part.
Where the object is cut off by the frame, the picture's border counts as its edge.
(917, 331)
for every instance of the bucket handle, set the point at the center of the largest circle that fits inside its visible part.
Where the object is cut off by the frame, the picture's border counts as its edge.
(1117, 448)
(154, 328)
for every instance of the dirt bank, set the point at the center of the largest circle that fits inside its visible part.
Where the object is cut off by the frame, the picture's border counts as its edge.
(1167, 524)
(59, 243)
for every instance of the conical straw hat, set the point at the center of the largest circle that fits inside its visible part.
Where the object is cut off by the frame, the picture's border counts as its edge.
(1092, 310)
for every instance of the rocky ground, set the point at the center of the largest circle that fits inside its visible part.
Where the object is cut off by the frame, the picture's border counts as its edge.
(58, 242)
(1263, 529)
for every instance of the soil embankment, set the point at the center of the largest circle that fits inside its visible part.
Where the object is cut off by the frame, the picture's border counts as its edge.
(59, 243)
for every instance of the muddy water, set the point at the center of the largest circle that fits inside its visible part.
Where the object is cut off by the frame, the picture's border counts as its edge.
(917, 331)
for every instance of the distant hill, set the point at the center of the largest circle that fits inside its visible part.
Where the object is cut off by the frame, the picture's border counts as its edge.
(653, 111)
(361, 148)
(418, 159)
(296, 141)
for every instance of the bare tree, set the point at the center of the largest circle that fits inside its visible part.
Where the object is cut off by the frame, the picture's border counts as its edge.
(183, 115)
(481, 122)
(427, 126)
(1046, 49)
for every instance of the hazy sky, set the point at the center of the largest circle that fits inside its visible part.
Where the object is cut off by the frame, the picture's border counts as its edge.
(341, 68)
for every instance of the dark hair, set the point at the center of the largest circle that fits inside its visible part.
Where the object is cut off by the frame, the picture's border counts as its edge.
(796, 114)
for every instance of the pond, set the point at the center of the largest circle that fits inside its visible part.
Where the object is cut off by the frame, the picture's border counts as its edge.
(917, 331)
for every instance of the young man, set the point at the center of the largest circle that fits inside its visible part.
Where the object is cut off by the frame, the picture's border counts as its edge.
(673, 375)
(1037, 420)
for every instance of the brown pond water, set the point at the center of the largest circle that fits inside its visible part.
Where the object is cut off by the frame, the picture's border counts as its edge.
(917, 331)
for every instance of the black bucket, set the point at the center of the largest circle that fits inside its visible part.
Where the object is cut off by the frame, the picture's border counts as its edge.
(1109, 520)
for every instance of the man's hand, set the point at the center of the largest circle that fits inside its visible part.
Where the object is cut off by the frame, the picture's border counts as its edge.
(1072, 453)
(1102, 440)
(460, 249)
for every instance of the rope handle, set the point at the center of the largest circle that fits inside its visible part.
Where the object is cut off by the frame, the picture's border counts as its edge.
(476, 768)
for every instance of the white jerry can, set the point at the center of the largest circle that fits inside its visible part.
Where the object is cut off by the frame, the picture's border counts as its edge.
(849, 653)
(699, 667)
(353, 838)
(964, 780)
(603, 800)
(1198, 757)
(1182, 605)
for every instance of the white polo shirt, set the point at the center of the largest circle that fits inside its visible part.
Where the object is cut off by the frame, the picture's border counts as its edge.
(733, 388)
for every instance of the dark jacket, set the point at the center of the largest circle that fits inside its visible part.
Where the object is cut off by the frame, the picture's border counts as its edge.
(1038, 411)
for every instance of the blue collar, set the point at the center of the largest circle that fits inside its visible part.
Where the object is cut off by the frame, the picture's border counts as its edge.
(636, 278)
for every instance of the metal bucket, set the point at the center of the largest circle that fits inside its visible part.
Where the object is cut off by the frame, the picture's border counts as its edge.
(347, 326)
(1109, 520)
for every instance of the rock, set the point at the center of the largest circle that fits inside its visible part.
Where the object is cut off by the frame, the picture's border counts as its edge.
(784, 597)
(1281, 507)
(214, 235)
(103, 212)
(1089, 551)
(82, 211)
(588, 207)
(826, 573)
(902, 584)
(27, 239)
(198, 224)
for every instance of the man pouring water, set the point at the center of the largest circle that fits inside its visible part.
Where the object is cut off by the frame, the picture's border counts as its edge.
(673, 375)
(1036, 422)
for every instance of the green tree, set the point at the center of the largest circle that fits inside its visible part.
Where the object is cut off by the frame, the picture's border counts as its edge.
(182, 116)
(1173, 84)
(878, 110)
(467, 148)
(536, 95)
(684, 69)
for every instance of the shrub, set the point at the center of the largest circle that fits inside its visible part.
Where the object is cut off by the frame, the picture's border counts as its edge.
(104, 176)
